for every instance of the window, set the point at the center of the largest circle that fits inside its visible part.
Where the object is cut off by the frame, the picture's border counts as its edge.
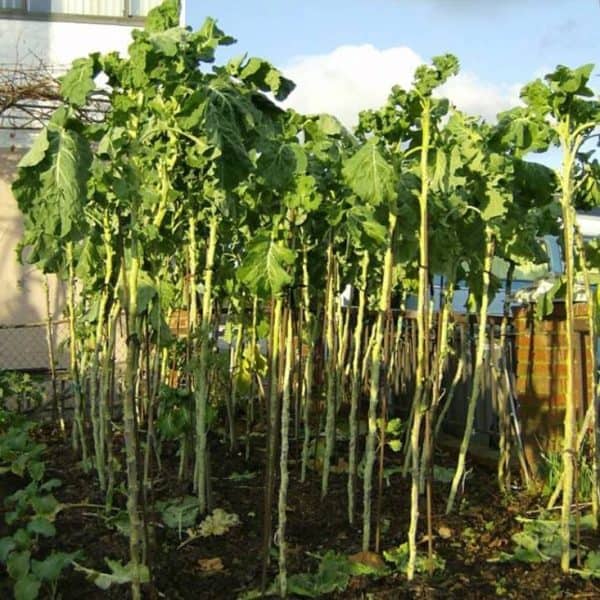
(78, 9)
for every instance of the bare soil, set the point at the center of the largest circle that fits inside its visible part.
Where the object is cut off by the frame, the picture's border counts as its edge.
(481, 529)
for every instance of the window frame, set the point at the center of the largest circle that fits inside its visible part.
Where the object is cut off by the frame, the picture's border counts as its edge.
(23, 13)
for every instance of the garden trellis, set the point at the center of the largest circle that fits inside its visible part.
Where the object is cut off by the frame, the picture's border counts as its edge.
(199, 193)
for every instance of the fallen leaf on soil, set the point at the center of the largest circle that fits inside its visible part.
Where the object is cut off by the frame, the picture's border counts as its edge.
(445, 532)
(370, 559)
(210, 565)
(340, 467)
(356, 583)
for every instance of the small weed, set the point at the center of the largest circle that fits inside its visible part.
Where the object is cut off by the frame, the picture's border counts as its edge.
(31, 513)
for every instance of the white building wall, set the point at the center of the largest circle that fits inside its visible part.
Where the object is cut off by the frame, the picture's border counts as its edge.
(22, 293)
(57, 43)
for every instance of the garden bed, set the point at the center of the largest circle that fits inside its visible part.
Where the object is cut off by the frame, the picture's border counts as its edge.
(228, 566)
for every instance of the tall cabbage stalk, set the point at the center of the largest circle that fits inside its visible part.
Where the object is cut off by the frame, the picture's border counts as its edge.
(355, 385)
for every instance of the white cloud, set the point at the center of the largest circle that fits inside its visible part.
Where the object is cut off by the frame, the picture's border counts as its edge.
(349, 79)
(352, 78)
(477, 9)
(476, 97)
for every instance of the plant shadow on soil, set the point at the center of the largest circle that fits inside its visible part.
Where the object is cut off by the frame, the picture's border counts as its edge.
(480, 531)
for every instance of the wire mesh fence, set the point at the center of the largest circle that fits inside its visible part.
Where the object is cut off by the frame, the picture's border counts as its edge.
(39, 353)
(33, 346)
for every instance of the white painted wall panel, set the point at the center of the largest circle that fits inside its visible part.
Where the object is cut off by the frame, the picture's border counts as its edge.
(58, 43)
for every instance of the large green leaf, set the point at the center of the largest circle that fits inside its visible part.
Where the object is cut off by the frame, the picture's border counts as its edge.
(519, 130)
(68, 175)
(329, 125)
(265, 268)
(333, 575)
(78, 82)
(364, 228)
(180, 514)
(277, 165)
(119, 574)
(592, 561)
(527, 540)
(156, 316)
(370, 176)
(428, 77)
(17, 564)
(57, 203)
(571, 81)
(164, 16)
(263, 75)
(537, 95)
(168, 42)
(146, 291)
(306, 195)
(174, 422)
(7, 545)
(399, 556)
(496, 205)
(37, 152)
(46, 506)
(227, 118)
(52, 566)
(534, 184)
(207, 39)
(88, 260)
(27, 588)
(41, 526)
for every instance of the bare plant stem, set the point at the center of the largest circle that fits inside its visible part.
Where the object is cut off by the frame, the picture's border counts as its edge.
(593, 401)
(330, 370)
(355, 386)
(283, 460)
(307, 383)
(420, 400)
(478, 370)
(439, 369)
(503, 397)
(57, 406)
(201, 393)
(129, 426)
(570, 409)
(78, 436)
(255, 350)
(107, 373)
(384, 303)
(273, 415)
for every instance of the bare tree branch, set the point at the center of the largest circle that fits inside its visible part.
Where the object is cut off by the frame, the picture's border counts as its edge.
(30, 93)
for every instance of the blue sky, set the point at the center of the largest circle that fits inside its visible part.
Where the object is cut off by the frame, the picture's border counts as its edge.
(353, 50)
(506, 39)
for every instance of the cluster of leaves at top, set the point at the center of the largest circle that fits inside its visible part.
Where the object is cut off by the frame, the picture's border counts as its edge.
(196, 190)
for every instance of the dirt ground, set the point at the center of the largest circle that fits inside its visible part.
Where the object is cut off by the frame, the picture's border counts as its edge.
(479, 532)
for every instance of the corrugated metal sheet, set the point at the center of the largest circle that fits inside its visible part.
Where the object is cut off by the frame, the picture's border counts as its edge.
(104, 8)
(96, 8)
(140, 8)
(11, 4)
